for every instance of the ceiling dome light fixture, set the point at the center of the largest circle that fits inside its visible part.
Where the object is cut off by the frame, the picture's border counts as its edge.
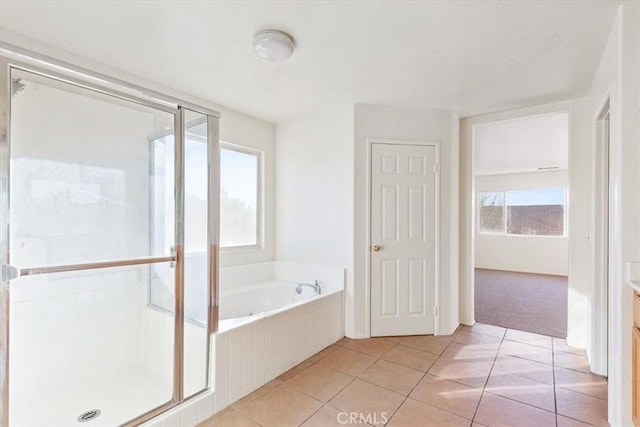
(273, 45)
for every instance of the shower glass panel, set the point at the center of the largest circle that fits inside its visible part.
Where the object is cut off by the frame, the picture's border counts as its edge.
(196, 262)
(81, 172)
(82, 164)
(81, 342)
(197, 149)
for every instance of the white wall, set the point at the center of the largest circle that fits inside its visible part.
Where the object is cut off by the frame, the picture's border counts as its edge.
(418, 124)
(618, 78)
(314, 193)
(529, 254)
(579, 223)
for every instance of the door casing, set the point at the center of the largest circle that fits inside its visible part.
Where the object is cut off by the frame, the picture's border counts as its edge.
(602, 228)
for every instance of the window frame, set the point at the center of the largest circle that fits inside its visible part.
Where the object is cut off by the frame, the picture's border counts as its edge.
(505, 219)
(259, 198)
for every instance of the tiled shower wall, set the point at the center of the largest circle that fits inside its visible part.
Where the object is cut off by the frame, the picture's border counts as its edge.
(249, 356)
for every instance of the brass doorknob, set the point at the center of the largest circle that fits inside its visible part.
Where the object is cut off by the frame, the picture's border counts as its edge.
(377, 248)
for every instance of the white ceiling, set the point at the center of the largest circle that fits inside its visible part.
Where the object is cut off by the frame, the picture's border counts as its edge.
(470, 57)
(522, 145)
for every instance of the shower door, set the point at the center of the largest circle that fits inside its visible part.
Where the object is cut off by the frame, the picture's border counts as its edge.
(80, 250)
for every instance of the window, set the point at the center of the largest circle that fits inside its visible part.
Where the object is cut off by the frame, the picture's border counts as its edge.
(492, 212)
(240, 188)
(530, 212)
(535, 212)
(239, 197)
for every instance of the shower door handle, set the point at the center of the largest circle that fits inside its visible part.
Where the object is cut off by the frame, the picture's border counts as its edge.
(9, 272)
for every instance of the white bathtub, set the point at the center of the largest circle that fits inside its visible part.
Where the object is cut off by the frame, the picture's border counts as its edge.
(244, 304)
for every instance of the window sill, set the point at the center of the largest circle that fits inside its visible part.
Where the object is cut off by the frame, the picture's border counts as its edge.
(236, 249)
(522, 235)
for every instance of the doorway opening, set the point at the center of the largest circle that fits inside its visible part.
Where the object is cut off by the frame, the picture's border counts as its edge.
(521, 186)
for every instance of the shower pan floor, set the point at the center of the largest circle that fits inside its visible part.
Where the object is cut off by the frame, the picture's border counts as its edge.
(120, 397)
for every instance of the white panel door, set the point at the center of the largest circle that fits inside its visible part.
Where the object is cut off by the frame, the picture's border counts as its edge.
(403, 208)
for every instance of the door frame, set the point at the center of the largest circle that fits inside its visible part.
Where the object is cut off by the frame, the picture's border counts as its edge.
(602, 250)
(399, 141)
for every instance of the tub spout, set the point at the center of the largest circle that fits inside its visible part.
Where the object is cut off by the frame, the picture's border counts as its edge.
(316, 287)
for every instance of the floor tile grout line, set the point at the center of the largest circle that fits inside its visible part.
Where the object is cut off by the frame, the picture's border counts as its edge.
(317, 410)
(421, 378)
(381, 357)
(424, 351)
(567, 352)
(334, 395)
(447, 379)
(408, 367)
(454, 381)
(552, 365)
(530, 343)
(247, 415)
(575, 419)
(582, 393)
(395, 344)
(530, 360)
(440, 356)
(475, 413)
(368, 354)
(388, 389)
(517, 401)
(353, 378)
(577, 370)
(406, 397)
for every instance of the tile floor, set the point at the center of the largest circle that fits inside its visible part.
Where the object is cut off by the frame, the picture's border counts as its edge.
(480, 376)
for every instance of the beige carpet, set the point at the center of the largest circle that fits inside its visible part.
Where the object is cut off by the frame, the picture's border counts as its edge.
(528, 302)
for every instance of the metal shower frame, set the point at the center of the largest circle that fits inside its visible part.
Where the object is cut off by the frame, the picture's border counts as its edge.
(14, 57)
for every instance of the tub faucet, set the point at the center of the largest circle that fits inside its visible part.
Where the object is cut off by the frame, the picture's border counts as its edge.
(316, 287)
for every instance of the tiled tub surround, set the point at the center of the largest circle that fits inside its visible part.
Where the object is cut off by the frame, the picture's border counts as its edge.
(252, 351)
(249, 356)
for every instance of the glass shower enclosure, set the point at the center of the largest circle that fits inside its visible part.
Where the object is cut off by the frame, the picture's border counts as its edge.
(95, 213)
